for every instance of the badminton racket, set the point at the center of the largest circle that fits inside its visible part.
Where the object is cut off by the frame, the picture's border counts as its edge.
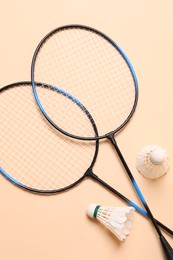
(89, 65)
(34, 156)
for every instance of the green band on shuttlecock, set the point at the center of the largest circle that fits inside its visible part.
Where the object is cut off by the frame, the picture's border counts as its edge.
(95, 211)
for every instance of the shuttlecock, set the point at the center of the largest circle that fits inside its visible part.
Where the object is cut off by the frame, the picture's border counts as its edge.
(117, 219)
(152, 162)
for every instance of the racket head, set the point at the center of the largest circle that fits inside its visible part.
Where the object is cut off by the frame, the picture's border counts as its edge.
(59, 49)
(34, 156)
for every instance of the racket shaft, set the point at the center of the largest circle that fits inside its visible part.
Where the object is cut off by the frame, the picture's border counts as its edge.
(129, 202)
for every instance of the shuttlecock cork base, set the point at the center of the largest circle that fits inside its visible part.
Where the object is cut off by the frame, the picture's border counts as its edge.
(117, 219)
(152, 162)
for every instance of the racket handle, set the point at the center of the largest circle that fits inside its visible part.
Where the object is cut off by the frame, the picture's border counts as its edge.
(167, 248)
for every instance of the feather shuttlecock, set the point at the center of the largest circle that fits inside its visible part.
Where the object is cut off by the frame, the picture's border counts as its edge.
(117, 219)
(152, 162)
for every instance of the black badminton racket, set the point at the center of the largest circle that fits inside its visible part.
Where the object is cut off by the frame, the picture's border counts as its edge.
(89, 65)
(34, 156)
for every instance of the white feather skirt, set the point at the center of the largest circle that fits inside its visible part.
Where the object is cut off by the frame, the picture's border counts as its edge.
(152, 162)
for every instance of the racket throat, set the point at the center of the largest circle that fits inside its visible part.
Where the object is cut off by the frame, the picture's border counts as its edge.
(111, 137)
(89, 172)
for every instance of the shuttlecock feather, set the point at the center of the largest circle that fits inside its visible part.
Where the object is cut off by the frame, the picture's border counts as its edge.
(152, 162)
(117, 219)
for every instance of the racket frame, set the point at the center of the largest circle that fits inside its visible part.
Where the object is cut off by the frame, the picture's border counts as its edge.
(127, 61)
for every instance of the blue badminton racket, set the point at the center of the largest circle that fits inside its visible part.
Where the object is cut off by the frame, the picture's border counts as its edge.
(89, 65)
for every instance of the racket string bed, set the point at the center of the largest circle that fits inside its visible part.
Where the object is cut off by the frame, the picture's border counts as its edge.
(91, 71)
(32, 149)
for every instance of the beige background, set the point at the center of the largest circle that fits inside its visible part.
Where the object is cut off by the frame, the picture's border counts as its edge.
(56, 227)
